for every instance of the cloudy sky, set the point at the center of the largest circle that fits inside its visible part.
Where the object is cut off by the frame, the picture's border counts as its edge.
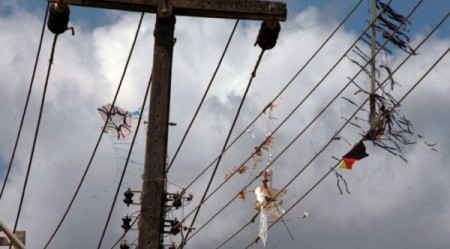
(392, 204)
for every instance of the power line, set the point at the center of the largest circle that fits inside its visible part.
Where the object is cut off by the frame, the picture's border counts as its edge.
(126, 164)
(279, 94)
(26, 103)
(131, 146)
(180, 144)
(204, 95)
(96, 145)
(396, 105)
(253, 75)
(347, 121)
(320, 113)
(295, 109)
(41, 109)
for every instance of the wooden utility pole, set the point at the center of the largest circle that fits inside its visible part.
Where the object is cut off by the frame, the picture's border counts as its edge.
(153, 197)
(153, 189)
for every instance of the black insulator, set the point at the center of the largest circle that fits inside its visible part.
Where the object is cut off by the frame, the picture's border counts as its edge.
(268, 34)
(126, 223)
(58, 18)
(128, 197)
(124, 246)
(177, 203)
(175, 227)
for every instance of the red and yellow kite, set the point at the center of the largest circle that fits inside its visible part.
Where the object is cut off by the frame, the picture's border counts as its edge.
(357, 152)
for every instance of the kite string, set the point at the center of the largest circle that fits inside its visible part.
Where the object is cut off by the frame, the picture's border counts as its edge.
(132, 143)
(126, 164)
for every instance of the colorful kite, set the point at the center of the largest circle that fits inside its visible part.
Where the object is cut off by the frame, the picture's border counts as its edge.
(119, 120)
(357, 152)
(118, 129)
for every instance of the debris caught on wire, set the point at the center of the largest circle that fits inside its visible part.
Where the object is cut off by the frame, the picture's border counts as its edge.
(340, 178)
(267, 205)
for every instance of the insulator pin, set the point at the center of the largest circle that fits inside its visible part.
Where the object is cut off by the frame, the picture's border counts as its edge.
(58, 18)
(268, 34)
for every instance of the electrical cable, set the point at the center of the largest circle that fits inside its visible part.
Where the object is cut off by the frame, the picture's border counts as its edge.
(180, 145)
(426, 38)
(96, 145)
(26, 103)
(253, 75)
(295, 138)
(316, 86)
(279, 94)
(36, 133)
(296, 75)
(261, 145)
(331, 170)
(204, 95)
(256, 214)
(130, 150)
(127, 160)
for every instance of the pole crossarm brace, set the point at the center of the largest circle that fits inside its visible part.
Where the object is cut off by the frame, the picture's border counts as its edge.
(17, 240)
(231, 9)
